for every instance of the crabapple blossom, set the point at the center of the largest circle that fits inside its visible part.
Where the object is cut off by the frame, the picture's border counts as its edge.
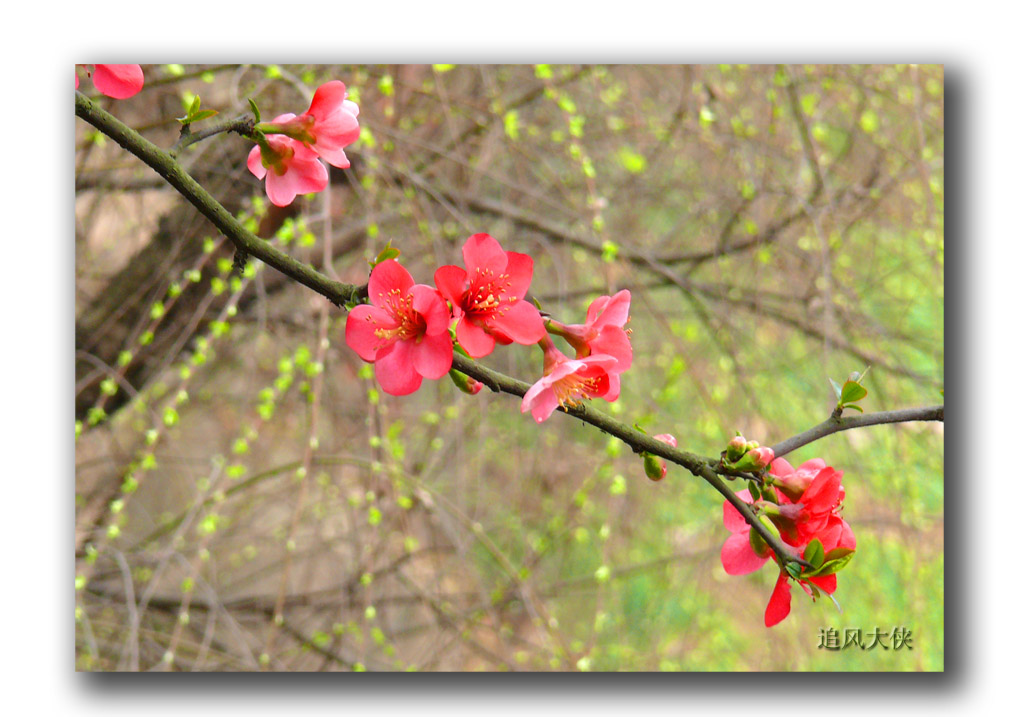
(813, 515)
(329, 125)
(487, 297)
(290, 167)
(602, 333)
(403, 331)
(567, 382)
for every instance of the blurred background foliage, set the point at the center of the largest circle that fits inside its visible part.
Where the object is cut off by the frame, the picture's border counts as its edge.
(247, 498)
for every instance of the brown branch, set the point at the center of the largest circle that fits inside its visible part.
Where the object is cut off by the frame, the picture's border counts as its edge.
(835, 423)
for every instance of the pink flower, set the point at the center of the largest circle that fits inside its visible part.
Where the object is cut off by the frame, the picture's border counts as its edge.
(117, 81)
(799, 518)
(404, 333)
(293, 167)
(815, 515)
(738, 555)
(567, 382)
(793, 482)
(487, 297)
(838, 535)
(327, 127)
(603, 332)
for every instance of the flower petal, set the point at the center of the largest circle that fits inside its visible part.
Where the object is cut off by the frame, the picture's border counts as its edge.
(118, 81)
(828, 583)
(302, 176)
(395, 372)
(521, 322)
(431, 305)
(615, 342)
(327, 98)
(432, 356)
(738, 558)
(613, 312)
(823, 493)
(360, 327)
(255, 163)
(780, 468)
(334, 157)
(477, 342)
(540, 400)
(389, 282)
(778, 603)
(451, 281)
(483, 257)
(519, 271)
(733, 520)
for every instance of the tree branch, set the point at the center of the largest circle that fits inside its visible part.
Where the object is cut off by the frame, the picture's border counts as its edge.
(834, 424)
(339, 294)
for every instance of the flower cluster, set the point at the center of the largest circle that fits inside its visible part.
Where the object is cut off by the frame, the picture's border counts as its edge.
(289, 149)
(801, 506)
(409, 331)
(117, 81)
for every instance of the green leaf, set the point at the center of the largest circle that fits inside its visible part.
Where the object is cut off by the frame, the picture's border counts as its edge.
(814, 553)
(854, 406)
(834, 561)
(851, 392)
(837, 553)
(204, 114)
(388, 252)
(196, 102)
(755, 493)
(255, 109)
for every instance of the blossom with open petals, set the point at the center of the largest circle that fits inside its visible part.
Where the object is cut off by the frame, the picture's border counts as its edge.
(837, 535)
(403, 331)
(814, 514)
(329, 125)
(487, 297)
(604, 330)
(567, 382)
(117, 81)
(290, 167)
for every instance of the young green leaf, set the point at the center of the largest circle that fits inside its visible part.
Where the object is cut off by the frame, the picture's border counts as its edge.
(201, 115)
(754, 492)
(814, 553)
(852, 392)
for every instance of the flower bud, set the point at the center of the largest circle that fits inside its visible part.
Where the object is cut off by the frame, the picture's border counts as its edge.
(755, 460)
(667, 438)
(654, 467)
(735, 449)
(466, 384)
